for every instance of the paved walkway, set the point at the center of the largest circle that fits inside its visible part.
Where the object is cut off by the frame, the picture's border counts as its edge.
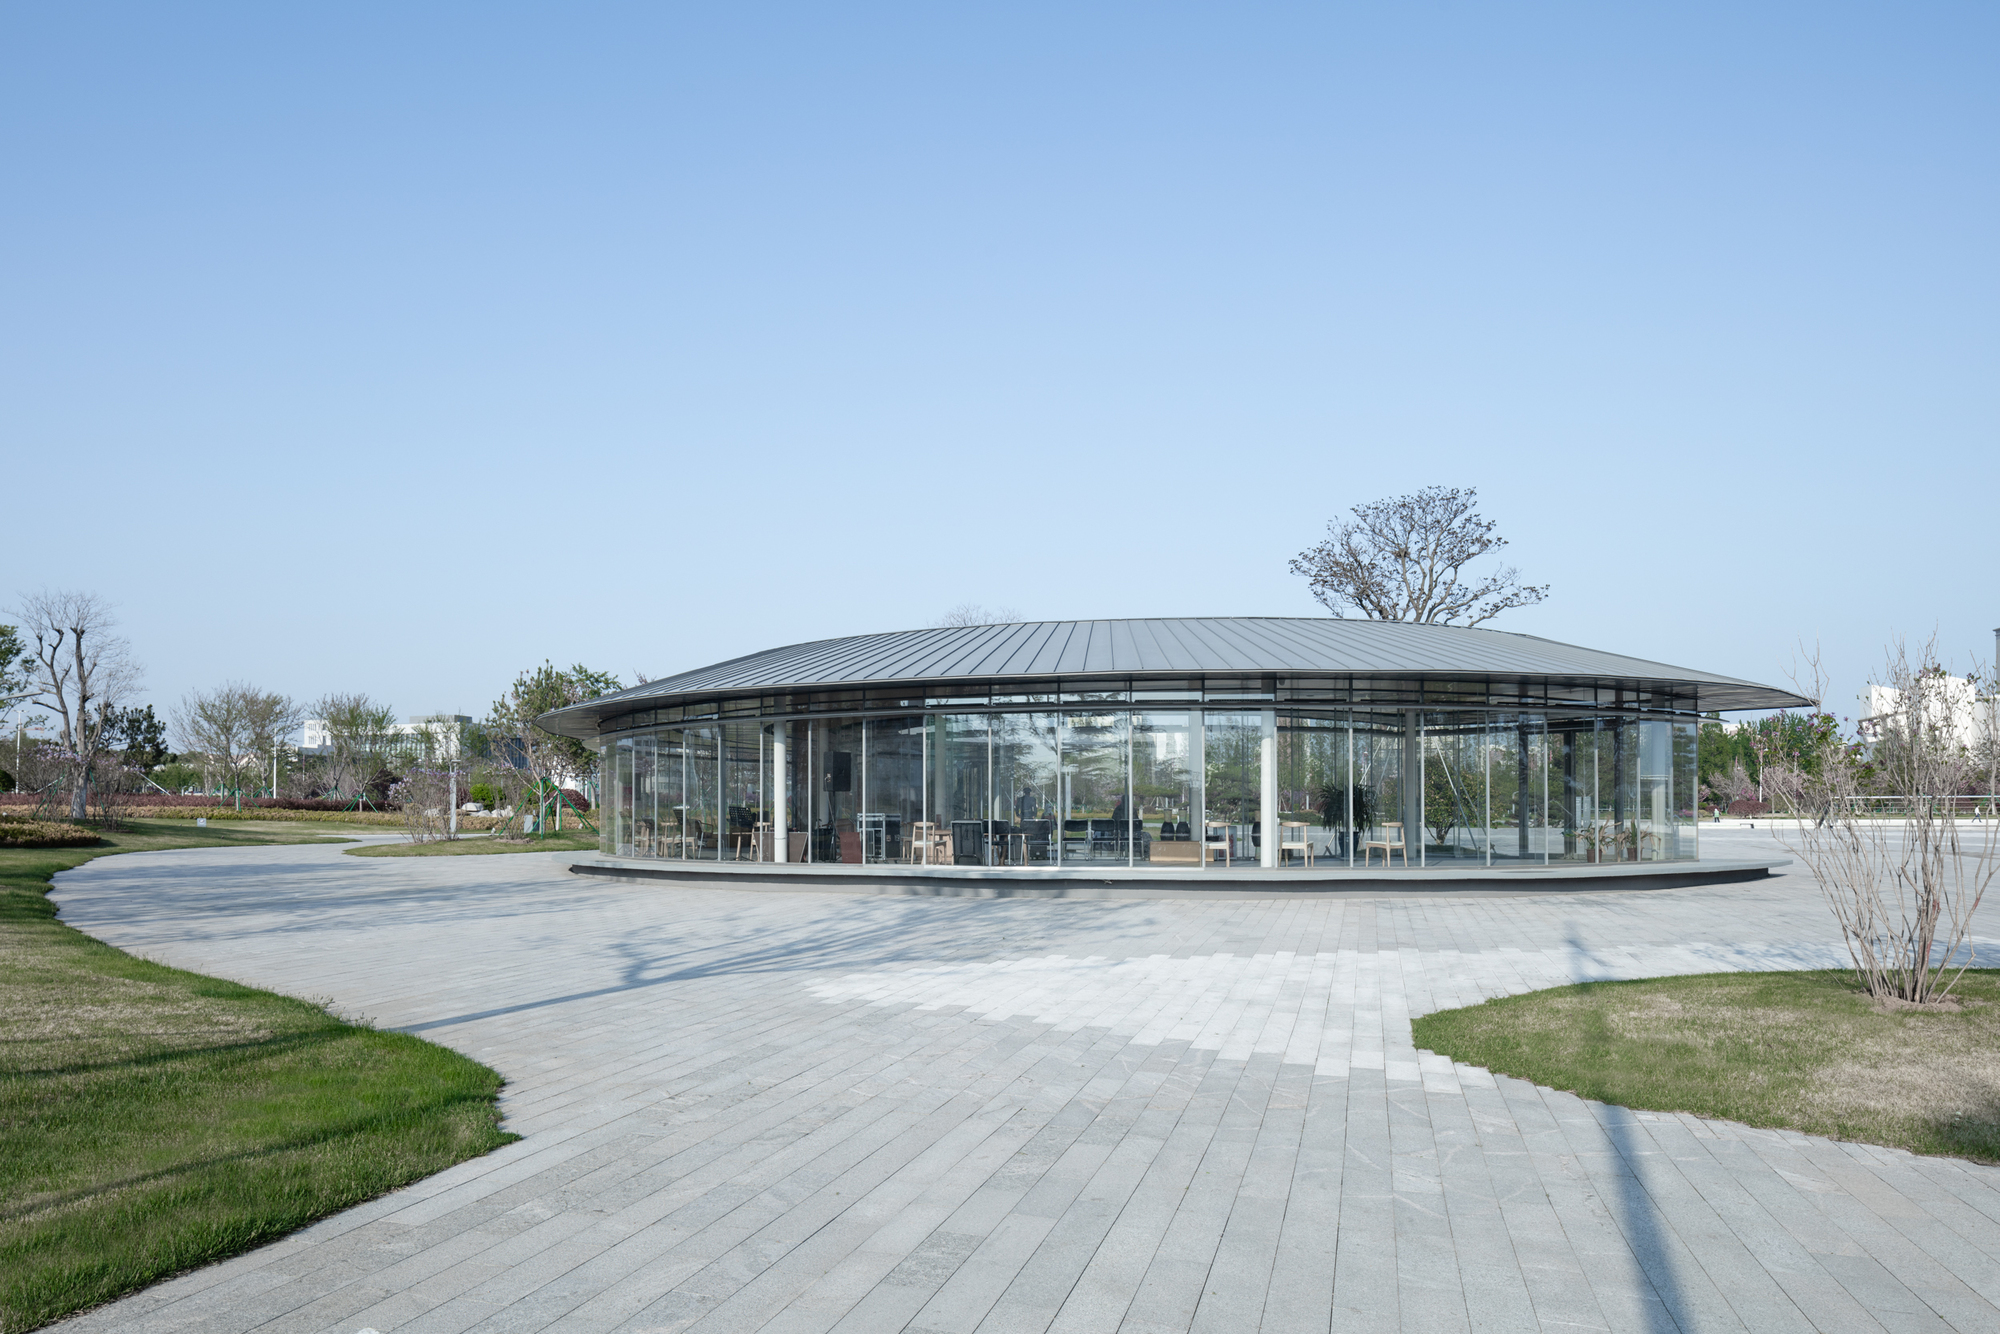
(806, 1112)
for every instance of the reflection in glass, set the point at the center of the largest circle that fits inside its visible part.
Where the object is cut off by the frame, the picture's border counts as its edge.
(1455, 775)
(1099, 784)
(1025, 787)
(701, 793)
(669, 812)
(799, 772)
(1093, 800)
(1518, 775)
(615, 833)
(1163, 794)
(960, 770)
(1380, 837)
(1685, 845)
(893, 787)
(1313, 781)
(645, 797)
(744, 816)
(1232, 786)
(837, 749)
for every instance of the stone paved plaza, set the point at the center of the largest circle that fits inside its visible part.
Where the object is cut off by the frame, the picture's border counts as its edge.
(788, 1111)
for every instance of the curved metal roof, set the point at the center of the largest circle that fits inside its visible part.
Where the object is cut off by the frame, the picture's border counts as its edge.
(1189, 646)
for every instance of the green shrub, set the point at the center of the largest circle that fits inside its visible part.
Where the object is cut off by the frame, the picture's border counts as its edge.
(19, 832)
(483, 793)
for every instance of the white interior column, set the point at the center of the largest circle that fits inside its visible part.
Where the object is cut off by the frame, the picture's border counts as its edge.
(781, 791)
(1412, 814)
(1267, 791)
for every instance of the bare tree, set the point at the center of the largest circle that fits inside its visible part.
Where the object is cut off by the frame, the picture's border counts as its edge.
(549, 760)
(82, 672)
(1400, 560)
(235, 728)
(14, 671)
(364, 737)
(1904, 889)
(971, 613)
(210, 729)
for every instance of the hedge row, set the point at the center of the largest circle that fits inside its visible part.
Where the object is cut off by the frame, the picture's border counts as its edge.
(18, 833)
(468, 823)
(154, 800)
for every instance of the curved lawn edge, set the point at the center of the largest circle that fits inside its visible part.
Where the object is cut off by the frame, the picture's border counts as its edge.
(1803, 1051)
(155, 1120)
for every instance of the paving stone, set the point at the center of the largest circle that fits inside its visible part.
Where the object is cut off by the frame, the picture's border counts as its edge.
(805, 1111)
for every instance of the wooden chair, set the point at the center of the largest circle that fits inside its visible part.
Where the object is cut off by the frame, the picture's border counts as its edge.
(1292, 838)
(1212, 844)
(1388, 846)
(927, 845)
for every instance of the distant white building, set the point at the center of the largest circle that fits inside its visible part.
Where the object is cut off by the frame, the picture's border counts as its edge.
(442, 729)
(1953, 708)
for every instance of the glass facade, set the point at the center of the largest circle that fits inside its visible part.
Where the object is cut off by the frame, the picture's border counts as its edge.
(1100, 779)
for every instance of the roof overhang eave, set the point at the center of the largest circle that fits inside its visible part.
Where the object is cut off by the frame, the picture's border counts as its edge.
(582, 721)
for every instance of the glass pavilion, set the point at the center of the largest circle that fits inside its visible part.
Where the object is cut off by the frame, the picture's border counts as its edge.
(1222, 743)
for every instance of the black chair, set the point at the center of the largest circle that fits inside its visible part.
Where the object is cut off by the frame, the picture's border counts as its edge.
(968, 843)
(1035, 837)
(1075, 839)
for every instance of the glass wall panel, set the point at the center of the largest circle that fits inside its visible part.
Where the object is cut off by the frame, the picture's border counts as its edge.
(1094, 800)
(1618, 777)
(799, 775)
(1686, 844)
(701, 793)
(1572, 750)
(670, 833)
(838, 747)
(645, 797)
(1163, 790)
(1518, 789)
(616, 836)
(1232, 786)
(1025, 788)
(1096, 783)
(1312, 785)
(960, 774)
(892, 788)
(1658, 821)
(744, 814)
(1377, 796)
(1456, 754)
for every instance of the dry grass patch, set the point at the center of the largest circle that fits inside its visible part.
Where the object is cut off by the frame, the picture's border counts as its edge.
(1797, 1051)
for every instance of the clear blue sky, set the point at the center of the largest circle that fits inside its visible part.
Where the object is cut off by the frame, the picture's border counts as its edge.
(397, 347)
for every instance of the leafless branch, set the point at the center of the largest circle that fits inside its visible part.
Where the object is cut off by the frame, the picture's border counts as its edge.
(1401, 560)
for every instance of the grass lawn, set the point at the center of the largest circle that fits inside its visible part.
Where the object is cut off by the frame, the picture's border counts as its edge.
(152, 1120)
(1799, 1051)
(480, 847)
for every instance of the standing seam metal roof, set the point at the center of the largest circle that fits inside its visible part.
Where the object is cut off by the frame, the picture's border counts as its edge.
(1192, 646)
